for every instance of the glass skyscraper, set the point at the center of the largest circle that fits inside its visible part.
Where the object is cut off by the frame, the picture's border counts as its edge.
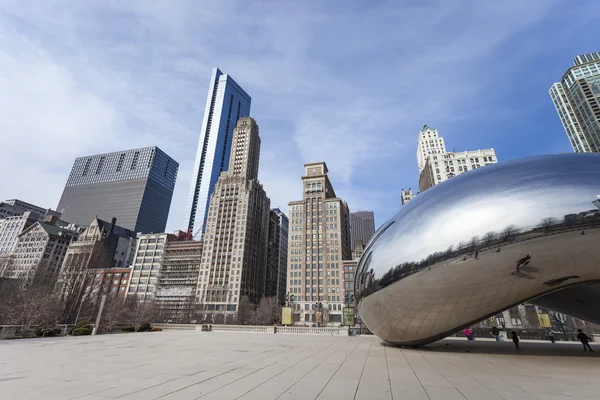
(577, 101)
(134, 186)
(225, 104)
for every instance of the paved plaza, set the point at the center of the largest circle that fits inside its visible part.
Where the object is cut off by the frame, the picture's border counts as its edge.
(193, 365)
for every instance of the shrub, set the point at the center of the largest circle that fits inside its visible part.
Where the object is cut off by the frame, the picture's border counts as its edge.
(81, 327)
(156, 329)
(128, 329)
(145, 327)
(86, 330)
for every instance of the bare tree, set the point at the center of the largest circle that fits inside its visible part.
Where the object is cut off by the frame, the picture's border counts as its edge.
(115, 312)
(489, 238)
(245, 311)
(77, 287)
(510, 232)
(268, 312)
(32, 306)
(140, 312)
(548, 223)
(473, 243)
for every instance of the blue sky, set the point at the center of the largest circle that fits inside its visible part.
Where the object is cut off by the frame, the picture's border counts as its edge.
(350, 83)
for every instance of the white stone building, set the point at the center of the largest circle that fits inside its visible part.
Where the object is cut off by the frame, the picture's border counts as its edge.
(436, 165)
(146, 265)
(11, 228)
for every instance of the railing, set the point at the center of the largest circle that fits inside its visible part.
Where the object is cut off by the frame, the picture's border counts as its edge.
(20, 331)
(242, 328)
(284, 330)
(177, 327)
(303, 330)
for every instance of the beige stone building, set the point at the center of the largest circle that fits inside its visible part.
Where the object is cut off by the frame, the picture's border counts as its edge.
(234, 258)
(319, 239)
(39, 253)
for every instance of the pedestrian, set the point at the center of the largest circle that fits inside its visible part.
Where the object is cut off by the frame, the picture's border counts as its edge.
(496, 333)
(515, 339)
(551, 335)
(585, 340)
(468, 334)
(477, 254)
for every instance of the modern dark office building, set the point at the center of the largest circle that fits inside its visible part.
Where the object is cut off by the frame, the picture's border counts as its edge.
(134, 186)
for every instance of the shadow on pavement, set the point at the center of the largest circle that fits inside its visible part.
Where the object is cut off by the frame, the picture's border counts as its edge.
(508, 348)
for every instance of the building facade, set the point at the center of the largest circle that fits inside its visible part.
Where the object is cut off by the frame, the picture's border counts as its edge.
(112, 281)
(362, 228)
(225, 104)
(134, 186)
(102, 245)
(39, 254)
(577, 101)
(11, 228)
(283, 255)
(272, 255)
(177, 282)
(407, 195)
(15, 208)
(319, 241)
(146, 265)
(436, 165)
(234, 259)
(349, 274)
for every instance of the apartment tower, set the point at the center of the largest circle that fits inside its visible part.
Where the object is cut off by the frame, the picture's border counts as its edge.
(234, 259)
(577, 101)
(225, 104)
(319, 239)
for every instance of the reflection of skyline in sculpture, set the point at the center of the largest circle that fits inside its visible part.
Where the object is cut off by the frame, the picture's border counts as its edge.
(597, 201)
(460, 240)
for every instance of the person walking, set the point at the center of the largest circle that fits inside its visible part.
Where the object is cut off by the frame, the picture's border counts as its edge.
(496, 333)
(515, 339)
(468, 334)
(551, 335)
(584, 339)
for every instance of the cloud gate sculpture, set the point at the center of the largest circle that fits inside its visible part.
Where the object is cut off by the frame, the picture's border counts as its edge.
(484, 241)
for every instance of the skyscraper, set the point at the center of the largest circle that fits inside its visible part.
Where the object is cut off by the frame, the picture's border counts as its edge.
(577, 101)
(234, 259)
(134, 186)
(437, 165)
(362, 225)
(225, 104)
(319, 241)
(283, 254)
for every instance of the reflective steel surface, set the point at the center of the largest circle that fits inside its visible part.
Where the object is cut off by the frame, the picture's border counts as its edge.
(470, 247)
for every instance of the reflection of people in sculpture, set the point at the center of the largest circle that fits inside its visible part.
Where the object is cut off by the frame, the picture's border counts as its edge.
(584, 339)
(523, 261)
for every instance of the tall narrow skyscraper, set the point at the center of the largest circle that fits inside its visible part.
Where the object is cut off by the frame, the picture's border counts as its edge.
(234, 260)
(577, 101)
(225, 104)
